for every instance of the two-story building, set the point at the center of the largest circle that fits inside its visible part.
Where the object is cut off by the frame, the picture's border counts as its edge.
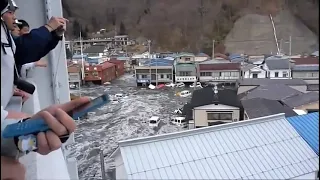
(212, 106)
(218, 71)
(185, 68)
(306, 68)
(277, 68)
(154, 71)
(101, 73)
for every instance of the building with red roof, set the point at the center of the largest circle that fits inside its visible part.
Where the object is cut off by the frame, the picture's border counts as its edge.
(100, 73)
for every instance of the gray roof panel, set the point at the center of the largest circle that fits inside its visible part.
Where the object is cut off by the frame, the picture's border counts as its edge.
(272, 92)
(305, 68)
(267, 148)
(259, 107)
(277, 64)
(301, 99)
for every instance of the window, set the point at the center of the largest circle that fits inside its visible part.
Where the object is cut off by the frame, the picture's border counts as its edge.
(205, 74)
(219, 116)
(285, 74)
(169, 76)
(234, 74)
(143, 76)
(254, 75)
(95, 74)
(161, 76)
(184, 73)
(276, 74)
(86, 74)
(187, 59)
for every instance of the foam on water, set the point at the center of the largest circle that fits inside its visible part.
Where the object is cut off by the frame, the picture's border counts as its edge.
(115, 122)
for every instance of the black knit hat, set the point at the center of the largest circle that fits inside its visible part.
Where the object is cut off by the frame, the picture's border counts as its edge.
(4, 5)
(8, 5)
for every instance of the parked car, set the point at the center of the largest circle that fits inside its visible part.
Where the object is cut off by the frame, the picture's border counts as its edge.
(180, 84)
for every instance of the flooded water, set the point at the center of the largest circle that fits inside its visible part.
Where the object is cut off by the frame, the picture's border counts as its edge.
(125, 120)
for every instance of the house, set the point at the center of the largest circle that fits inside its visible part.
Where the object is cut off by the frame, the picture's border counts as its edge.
(185, 68)
(128, 64)
(305, 61)
(253, 71)
(94, 51)
(218, 71)
(74, 73)
(259, 107)
(201, 57)
(119, 66)
(308, 102)
(211, 107)
(262, 148)
(307, 127)
(101, 73)
(245, 85)
(277, 68)
(306, 72)
(154, 71)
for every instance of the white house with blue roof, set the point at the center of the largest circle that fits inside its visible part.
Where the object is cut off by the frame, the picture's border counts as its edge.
(263, 148)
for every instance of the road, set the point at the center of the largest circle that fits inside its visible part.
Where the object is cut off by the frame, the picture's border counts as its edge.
(115, 122)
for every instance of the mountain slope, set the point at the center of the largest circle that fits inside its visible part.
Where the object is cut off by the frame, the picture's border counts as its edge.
(177, 25)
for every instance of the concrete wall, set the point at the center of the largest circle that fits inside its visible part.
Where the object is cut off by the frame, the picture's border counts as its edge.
(280, 74)
(247, 74)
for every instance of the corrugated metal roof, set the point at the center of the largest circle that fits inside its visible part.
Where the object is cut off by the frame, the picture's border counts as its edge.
(305, 68)
(308, 127)
(264, 148)
(305, 60)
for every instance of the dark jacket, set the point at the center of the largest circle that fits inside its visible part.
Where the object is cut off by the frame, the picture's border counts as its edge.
(33, 46)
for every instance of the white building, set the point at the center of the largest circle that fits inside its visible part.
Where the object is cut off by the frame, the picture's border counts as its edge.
(253, 71)
(277, 68)
(262, 148)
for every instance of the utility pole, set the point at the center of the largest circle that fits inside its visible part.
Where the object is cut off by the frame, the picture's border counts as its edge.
(290, 46)
(149, 56)
(202, 12)
(213, 41)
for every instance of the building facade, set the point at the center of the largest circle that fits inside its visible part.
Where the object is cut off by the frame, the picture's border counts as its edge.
(185, 68)
(101, 73)
(218, 72)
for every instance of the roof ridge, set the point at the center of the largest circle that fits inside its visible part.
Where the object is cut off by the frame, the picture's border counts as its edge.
(201, 130)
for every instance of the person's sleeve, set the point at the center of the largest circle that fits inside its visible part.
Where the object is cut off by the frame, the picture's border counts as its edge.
(27, 67)
(32, 45)
(8, 147)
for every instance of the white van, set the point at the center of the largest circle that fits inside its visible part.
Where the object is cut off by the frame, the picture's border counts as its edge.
(154, 121)
(179, 121)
